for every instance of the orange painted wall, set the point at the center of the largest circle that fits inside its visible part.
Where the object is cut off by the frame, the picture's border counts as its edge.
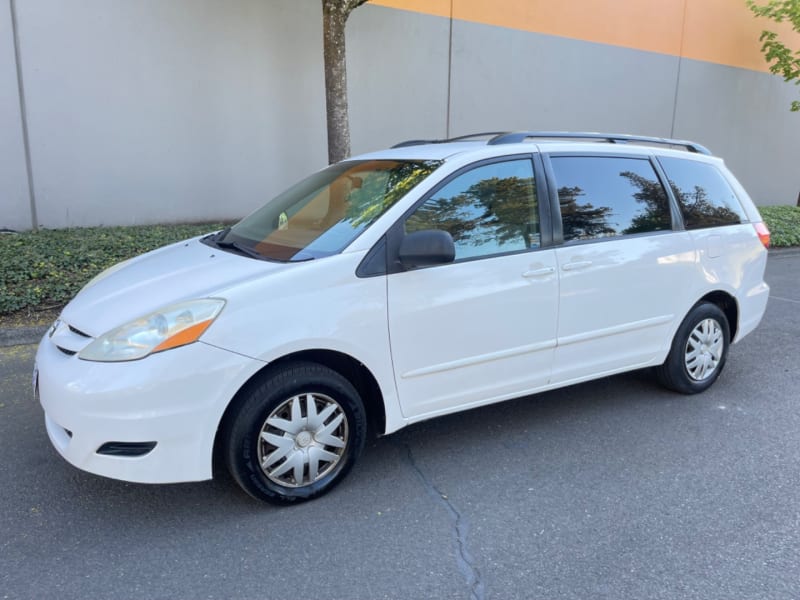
(718, 31)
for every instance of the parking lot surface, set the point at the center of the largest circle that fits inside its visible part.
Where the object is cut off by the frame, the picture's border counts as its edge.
(611, 489)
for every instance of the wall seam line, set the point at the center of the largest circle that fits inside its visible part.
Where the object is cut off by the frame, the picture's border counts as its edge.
(23, 113)
(678, 75)
(449, 73)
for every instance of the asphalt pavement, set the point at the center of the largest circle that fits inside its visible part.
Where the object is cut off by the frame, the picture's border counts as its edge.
(612, 489)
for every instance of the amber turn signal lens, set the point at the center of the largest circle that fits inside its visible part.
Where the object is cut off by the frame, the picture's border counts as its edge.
(763, 233)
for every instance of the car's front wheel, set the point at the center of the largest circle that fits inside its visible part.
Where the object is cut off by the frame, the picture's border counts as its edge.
(296, 434)
(699, 350)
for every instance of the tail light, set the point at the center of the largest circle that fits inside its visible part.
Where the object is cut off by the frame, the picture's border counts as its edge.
(763, 233)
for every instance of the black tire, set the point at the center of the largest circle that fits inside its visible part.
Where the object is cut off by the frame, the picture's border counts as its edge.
(312, 390)
(676, 373)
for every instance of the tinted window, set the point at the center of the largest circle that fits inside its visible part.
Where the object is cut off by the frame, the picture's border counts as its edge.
(705, 198)
(489, 210)
(608, 196)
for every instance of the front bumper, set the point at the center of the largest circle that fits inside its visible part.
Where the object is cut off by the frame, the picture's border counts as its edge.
(174, 398)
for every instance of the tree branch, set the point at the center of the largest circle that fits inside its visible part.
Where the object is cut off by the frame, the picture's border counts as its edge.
(354, 4)
(781, 59)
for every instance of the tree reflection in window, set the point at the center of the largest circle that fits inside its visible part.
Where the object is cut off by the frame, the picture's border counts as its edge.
(602, 196)
(655, 215)
(704, 197)
(488, 210)
(373, 190)
(582, 221)
(698, 211)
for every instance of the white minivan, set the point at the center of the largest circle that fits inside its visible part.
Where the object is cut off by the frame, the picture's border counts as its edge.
(397, 286)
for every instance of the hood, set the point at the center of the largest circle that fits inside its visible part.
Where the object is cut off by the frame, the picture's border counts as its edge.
(182, 271)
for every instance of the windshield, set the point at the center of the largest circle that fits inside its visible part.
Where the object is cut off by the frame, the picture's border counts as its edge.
(322, 214)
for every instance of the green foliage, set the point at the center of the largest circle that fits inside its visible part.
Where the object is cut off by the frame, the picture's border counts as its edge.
(782, 60)
(380, 189)
(45, 269)
(783, 223)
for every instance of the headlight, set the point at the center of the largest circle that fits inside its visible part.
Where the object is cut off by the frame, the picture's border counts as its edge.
(173, 326)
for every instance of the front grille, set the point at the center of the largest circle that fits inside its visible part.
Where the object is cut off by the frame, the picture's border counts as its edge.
(68, 339)
(78, 332)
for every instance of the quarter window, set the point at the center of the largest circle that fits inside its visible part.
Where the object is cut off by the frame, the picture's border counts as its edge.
(488, 210)
(609, 196)
(705, 198)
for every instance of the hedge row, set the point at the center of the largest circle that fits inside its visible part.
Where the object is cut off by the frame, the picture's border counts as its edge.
(45, 269)
(783, 223)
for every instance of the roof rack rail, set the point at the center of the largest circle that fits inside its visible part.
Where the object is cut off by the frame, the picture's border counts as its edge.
(460, 138)
(613, 138)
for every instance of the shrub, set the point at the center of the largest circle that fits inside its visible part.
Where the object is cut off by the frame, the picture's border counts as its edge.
(783, 223)
(45, 269)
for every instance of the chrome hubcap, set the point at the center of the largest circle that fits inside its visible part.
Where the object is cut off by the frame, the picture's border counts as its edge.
(704, 350)
(302, 440)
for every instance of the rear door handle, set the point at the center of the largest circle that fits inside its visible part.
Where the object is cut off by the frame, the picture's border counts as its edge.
(539, 272)
(578, 264)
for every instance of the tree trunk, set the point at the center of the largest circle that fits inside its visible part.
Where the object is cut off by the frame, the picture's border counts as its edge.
(334, 18)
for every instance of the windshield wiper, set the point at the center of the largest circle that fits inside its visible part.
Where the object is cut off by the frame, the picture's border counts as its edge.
(218, 240)
(240, 248)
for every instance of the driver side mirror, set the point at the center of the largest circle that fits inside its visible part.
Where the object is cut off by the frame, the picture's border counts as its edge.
(427, 248)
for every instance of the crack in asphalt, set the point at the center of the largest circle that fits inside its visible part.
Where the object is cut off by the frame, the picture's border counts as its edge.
(466, 564)
(784, 299)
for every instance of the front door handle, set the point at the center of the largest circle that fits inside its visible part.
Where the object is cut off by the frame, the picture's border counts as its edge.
(578, 264)
(539, 272)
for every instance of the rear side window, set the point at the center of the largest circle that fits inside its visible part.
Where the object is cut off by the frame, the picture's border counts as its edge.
(604, 196)
(705, 197)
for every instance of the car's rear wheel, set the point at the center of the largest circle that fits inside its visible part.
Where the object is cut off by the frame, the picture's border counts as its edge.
(296, 434)
(699, 350)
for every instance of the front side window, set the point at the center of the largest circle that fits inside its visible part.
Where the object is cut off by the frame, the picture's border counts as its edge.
(705, 198)
(322, 214)
(488, 210)
(604, 196)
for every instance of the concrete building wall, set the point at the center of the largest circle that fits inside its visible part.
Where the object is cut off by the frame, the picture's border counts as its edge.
(159, 111)
(504, 79)
(678, 68)
(143, 111)
(14, 198)
(515, 80)
(743, 116)
(397, 71)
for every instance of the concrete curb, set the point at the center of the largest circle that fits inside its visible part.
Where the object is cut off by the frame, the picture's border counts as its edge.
(781, 252)
(20, 336)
